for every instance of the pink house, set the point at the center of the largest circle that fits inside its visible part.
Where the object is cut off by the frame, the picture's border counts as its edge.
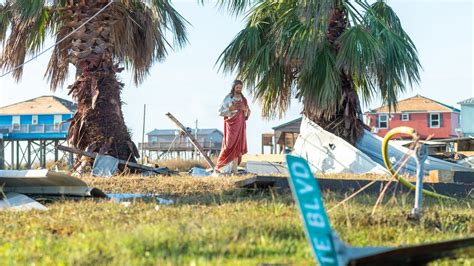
(427, 116)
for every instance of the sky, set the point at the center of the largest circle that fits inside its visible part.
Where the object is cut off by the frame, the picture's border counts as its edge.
(189, 85)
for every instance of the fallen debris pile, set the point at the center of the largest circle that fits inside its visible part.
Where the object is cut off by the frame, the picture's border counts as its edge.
(21, 187)
(352, 185)
(21, 190)
(107, 165)
(327, 153)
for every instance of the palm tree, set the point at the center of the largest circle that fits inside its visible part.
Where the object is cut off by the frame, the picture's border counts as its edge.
(327, 54)
(96, 37)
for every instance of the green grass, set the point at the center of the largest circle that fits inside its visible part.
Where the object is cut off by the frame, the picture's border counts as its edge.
(212, 223)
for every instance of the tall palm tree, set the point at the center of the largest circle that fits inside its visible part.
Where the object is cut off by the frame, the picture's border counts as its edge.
(327, 54)
(128, 32)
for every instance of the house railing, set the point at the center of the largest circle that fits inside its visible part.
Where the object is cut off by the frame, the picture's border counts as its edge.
(207, 145)
(39, 128)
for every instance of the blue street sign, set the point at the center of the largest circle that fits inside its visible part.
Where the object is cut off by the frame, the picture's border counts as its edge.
(308, 197)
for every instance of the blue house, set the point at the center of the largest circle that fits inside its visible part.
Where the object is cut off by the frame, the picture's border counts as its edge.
(175, 145)
(467, 115)
(39, 118)
(204, 135)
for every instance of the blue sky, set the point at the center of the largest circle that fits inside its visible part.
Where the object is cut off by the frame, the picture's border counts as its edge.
(188, 84)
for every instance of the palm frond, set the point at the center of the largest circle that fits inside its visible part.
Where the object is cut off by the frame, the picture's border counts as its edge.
(36, 14)
(249, 51)
(139, 37)
(359, 55)
(15, 50)
(400, 65)
(274, 90)
(319, 82)
(28, 9)
(58, 66)
(276, 53)
(245, 47)
(28, 22)
(258, 60)
(40, 28)
(235, 7)
(327, 54)
(383, 12)
(316, 10)
(6, 18)
(171, 20)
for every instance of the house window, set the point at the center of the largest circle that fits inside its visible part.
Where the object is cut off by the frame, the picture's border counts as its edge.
(34, 120)
(435, 120)
(405, 117)
(16, 122)
(57, 121)
(383, 121)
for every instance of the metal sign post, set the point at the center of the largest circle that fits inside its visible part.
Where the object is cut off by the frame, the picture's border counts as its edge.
(421, 155)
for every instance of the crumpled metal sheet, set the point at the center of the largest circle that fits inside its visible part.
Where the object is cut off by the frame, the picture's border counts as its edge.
(198, 171)
(19, 202)
(328, 153)
(44, 182)
(266, 168)
(105, 165)
(130, 197)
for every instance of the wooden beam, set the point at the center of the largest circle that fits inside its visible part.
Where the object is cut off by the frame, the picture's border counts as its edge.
(2, 154)
(161, 170)
(192, 139)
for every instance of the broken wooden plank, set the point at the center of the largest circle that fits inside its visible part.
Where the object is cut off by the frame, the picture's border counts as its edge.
(160, 170)
(440, 176)
(447, 176)
(272, 158)
(192, 139)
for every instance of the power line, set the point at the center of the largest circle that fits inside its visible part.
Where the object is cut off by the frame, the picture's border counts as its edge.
(58, 42)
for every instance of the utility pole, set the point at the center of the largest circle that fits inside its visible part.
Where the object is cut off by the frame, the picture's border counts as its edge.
(196, 137)
(143, 132)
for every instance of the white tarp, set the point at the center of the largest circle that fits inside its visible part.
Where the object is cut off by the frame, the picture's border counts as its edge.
(328, 153)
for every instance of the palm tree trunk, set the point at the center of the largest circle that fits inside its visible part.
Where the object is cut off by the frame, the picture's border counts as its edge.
(346, 120)
(98, 125)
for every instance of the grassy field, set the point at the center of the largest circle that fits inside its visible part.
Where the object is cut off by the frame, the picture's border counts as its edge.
(211, 223)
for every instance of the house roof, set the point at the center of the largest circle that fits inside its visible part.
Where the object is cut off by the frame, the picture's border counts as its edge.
(293, 124)
(39, 105)
(417, 103)
(168, 132)
(467, 101)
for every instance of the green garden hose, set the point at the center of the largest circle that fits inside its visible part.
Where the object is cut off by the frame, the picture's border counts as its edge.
(407, 131)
